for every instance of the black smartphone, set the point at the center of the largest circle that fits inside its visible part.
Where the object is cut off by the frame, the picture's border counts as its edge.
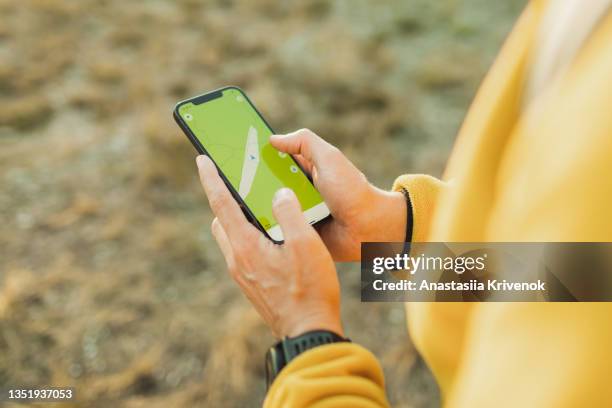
(225, 125)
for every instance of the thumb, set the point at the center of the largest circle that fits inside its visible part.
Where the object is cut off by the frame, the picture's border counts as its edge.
(303, 142)
(288, 213)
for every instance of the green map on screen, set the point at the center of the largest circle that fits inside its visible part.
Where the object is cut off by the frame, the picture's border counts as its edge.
(237, 139)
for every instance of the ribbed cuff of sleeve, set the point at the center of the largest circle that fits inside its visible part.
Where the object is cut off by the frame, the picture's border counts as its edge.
(424, 191)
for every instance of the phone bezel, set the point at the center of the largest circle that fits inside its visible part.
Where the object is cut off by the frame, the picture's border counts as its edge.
(206, 97)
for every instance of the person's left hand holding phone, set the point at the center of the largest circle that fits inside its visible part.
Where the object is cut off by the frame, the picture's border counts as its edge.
(293, 286)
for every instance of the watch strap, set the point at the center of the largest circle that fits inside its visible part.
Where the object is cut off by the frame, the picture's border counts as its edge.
(288, 348)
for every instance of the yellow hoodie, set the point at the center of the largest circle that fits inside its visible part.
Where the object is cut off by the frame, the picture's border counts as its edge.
(540, 172)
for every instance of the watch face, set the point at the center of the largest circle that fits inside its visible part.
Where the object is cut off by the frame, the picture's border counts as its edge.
(273, 365)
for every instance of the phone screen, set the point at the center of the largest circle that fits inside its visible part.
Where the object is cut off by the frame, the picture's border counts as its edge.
(237, 139)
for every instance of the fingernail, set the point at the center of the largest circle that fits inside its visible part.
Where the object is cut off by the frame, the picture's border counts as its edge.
(200, 160)
(283, 194)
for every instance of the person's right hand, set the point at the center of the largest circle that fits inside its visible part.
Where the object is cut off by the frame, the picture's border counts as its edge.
(360, 211)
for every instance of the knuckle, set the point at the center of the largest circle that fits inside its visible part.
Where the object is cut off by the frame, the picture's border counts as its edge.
(217, 201)
(304, 132)
(233, 271)
(332, 153)
(214, 226)
(282, 205)
(301, 238)
(307, 134)
(333, 150)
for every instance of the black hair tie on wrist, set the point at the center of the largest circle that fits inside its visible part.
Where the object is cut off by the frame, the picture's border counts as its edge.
(409, 221)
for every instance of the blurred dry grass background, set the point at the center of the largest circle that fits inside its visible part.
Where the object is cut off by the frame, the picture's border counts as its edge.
(109, 278)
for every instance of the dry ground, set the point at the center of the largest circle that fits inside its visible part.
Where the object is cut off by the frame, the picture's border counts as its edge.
(109, 278)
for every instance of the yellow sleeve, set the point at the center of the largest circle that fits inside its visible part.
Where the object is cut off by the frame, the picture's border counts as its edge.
(424, 191)
(334, 375)
(551, 354)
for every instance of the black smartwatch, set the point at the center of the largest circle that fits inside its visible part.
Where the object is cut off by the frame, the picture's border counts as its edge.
(279, 355)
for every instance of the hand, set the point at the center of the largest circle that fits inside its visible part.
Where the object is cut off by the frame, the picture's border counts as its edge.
(293, 286)
(361, 212)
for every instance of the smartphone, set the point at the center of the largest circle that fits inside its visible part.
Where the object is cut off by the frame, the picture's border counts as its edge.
(225, 125)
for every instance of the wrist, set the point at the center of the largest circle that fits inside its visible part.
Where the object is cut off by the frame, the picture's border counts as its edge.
(313, 321)
(387, 215)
